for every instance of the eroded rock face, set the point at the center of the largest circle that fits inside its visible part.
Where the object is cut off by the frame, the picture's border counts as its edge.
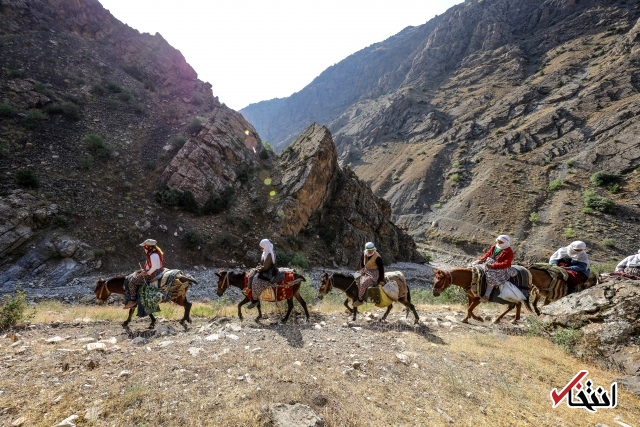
(608, 316)
(210, 162)
(319, 196)
(309, 167)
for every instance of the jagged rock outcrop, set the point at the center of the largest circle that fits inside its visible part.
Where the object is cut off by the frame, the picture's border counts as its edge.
(316, 194)
(608, 317)
(482, 107)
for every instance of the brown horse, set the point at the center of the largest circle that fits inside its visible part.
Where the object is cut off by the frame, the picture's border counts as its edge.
(347, 283)
(541, 281)
(226, 279)
(462, 277)
(115, 285)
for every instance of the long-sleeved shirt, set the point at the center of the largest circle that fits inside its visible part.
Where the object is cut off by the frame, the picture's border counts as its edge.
(572, 264)
(630, 261)
(503, 260)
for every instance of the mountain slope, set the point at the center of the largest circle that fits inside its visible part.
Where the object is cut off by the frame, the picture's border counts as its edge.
(494, 122)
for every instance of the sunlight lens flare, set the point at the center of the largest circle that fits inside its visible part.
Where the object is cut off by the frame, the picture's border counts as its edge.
(267, 181)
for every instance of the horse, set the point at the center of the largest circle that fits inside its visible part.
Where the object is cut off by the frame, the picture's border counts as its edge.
(541, 281)
(348, 284)
(462, 277)
(115, 285)
(226, 279)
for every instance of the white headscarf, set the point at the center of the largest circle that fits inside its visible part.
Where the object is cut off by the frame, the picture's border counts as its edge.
(506, 239)
(267, 247)
(569, 252)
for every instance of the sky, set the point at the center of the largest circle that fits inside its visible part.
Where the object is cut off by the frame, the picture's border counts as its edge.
(255, 50)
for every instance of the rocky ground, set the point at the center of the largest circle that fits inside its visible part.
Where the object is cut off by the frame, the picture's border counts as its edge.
(222, 371)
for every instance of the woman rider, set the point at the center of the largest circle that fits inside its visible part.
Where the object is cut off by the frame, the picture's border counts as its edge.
(372, 271)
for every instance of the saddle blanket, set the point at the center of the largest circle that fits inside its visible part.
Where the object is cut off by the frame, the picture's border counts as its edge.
(279, 292)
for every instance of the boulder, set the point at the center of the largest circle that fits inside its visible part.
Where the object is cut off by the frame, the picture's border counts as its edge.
(298, 415)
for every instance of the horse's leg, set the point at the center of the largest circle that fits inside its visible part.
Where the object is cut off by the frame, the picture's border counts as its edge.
(187, 310)
(470, 299)
(389, 307)
(518, 307)
(509, 308)
(259, 312)
(289, 308)
(243, 302)
(302, 303)
(346, 304)
(126, 322)
(355, 312)
(536, 297)
(472, 305)
(411, 307)
(153, 321)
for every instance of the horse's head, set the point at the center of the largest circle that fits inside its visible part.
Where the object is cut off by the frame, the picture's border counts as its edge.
(441, 281)
(102, 292)
(223, 282)
(325, 285)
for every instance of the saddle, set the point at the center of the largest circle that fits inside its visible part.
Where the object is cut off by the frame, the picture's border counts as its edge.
(279, 291)
(520, 277)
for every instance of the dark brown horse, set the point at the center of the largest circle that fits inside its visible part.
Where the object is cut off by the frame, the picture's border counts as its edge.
(462, 277)
(347, 283)
(227, 279)
(115, 285)
(542, 281)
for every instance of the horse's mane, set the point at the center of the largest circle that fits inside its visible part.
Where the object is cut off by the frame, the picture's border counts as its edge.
(342, 274)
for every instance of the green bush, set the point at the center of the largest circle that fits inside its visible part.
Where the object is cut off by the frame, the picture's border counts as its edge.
(534, 218)
(177, 142)
(608, 242)
(68, 109)
(95, 144)
(569, 233)
(602, 178)
(114, 87)
(98, 89)
(171, 197)
(300, 260)
(455, 178)
(6, 110)
(428, 257)
(27, 178)
(195, 126)
(126, 96)
(86, 163)
(218, 202)
(282, 258)
(242, 174)
(451, 295)
(34, 118)
(598, 203)
(192, 240)
(555, 184)
(12, 310)
(566, 338)
(61, 221)
(16, 74)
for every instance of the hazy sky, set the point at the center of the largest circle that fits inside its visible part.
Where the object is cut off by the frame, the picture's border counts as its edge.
(254, 50)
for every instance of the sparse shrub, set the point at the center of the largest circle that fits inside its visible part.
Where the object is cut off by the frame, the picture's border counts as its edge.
(598, 203)
(99, 253)
(556, 184)
(178, 142)
(455, 178)
(300, 260)
(61, 221)
(195, 126)
(16, 74)
(437, 205)
(534, 327)
(95, 144)
(225, 239)
(68, 109)
(569, 233)
(6, 110)
(27, 178)
(192, 240)
(218, 202)
(613, 188)
(126, 96)
(569, 163)
(13, 310)
(242, 174)
(86, 163)
(114, 104)
(114, 87)
(566, 338)
(428, 257)
(534, 218)
(188, 202)
(587, 211)
(608, 242)
(33, 119)
(168, 197)
(98, 89)
(282, 258)
(602, 178)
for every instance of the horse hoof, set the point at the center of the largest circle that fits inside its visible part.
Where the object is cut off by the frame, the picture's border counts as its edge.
(514, 322)
(465, 320)
(151, 326)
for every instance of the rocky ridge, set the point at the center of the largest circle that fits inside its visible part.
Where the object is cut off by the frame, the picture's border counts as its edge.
(489, 119)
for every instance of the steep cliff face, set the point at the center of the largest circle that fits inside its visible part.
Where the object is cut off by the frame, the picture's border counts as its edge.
(495, 122)
(107, 138)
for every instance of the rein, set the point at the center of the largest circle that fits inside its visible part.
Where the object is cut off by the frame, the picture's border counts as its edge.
(225, 282)
(332, 284)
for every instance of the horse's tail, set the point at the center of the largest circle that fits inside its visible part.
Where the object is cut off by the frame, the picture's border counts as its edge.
(528, 305)
(189, 278)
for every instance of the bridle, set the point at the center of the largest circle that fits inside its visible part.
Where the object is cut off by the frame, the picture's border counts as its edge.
(447, 276)
(331, 284)
(103, 289)
(225, 282)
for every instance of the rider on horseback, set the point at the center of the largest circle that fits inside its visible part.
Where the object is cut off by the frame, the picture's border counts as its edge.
(496, 263)
(266, 270)
(630, 265)
(152, 271)
(575, 261)
(371, 269)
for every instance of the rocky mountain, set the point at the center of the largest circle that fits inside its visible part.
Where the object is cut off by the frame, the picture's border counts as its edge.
(499, 116)
(107, 137)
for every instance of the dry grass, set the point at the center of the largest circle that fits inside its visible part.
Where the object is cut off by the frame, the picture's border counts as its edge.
(476, 374)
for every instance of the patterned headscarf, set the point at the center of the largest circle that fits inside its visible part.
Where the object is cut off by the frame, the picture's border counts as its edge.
(506, 239)
(268, 249)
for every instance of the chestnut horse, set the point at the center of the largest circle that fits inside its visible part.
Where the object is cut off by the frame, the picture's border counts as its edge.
(542, 280)
(226, 279)
(115, 285)
(462, 277)
(348, 284)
